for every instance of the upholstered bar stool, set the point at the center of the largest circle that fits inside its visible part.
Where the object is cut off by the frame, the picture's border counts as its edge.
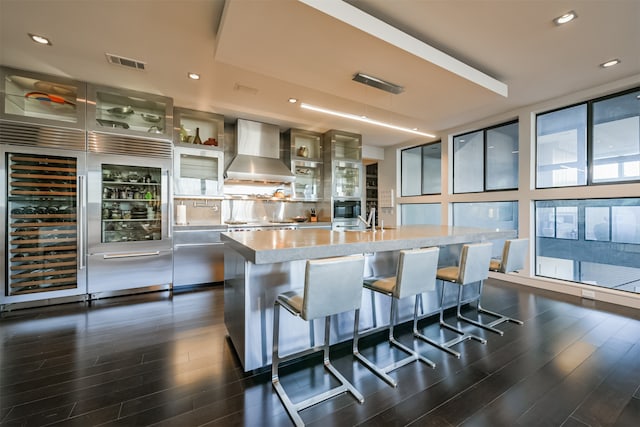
(514, 254)
(331, 286)
(416, 273)
(473, 266)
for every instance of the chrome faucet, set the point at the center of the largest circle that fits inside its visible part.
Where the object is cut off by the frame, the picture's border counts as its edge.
(369, 223)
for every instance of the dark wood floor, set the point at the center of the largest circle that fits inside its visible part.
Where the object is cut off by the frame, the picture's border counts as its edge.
(162, 359)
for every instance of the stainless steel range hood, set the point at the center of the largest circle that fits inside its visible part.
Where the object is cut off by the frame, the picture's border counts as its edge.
(258, 154)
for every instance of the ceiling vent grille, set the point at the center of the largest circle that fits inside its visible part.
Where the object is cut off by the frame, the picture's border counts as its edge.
(126, 62)
(378, 83)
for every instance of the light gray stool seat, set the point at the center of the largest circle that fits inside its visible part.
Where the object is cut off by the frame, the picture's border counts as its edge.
(331, 286)
(473, 266)
(416, 273)
(514, 254)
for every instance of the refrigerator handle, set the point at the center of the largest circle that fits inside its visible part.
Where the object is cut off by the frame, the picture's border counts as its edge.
(80, 219)
(169, 205)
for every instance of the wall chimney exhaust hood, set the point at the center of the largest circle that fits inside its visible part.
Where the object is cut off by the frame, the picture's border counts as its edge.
(258, 154)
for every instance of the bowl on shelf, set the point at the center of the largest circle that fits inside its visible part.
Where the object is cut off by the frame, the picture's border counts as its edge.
(151, 118)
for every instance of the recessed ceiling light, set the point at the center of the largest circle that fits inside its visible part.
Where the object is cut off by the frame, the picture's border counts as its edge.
(362, 119)
(567, 17)
(292, 100)
(193, 76)
(40, 39)
(610, 63)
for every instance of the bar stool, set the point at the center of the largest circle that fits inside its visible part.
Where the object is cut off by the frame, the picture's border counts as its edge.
(473, 266)
(331, 286)
(514, 254)
(416, 272)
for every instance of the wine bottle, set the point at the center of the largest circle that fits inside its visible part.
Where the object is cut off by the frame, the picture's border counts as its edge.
(197, 139)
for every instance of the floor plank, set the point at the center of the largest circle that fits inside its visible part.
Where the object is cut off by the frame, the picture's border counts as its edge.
(163, 359)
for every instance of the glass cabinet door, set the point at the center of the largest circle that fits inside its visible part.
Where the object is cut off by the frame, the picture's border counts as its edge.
(129, 112)
(197, 172)
(42, 223)
(131, 201)
(308, 183)
(38, 98)
(346, 179)
(345, 146)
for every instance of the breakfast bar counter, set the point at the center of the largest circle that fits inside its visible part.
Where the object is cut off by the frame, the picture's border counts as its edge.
(259, 265)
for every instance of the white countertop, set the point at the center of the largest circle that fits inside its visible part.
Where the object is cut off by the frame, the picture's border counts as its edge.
(272, 246)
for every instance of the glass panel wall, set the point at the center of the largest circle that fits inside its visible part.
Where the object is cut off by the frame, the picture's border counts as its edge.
(589, 241)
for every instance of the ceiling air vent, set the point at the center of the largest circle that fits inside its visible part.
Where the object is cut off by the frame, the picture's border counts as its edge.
(378, 83)
(125, 62)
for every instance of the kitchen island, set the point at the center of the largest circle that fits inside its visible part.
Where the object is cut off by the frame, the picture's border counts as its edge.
(258, 265)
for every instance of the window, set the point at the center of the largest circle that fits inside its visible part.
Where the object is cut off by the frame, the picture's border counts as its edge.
(420, 213)
(591, 143)
(616, 138)
(486, 160)
(561, 155)
(421, 168)
(492, 215)
(589, 241)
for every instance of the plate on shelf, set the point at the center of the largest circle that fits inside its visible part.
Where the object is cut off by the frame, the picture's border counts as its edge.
(54, 101)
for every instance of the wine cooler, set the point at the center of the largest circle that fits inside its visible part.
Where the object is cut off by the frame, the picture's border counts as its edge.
(44, 227)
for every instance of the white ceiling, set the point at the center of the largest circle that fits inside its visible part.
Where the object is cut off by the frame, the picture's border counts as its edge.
(255, 54)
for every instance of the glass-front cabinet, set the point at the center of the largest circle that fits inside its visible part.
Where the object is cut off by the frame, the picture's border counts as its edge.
(42, 99)
(304, 150)
(131, 200)
(198, 127)
(129, 112)
(343, 162)
(344, 145)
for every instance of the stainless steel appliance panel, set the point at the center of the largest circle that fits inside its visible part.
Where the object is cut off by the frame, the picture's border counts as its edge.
(120, 272)
(198, 257)
(42, 208)
(132, 252)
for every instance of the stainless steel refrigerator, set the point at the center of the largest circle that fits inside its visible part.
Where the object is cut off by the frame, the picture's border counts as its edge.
(128, 226)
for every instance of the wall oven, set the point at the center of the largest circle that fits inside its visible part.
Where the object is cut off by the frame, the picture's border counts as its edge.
(347, 211)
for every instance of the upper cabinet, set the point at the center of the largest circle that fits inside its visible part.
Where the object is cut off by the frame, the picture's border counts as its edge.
(127, 112)
(344, 145)
(198, 127)
(303, 149)
(42, 99)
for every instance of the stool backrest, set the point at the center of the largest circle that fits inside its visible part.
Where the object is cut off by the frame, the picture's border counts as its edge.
(475, 259)
(416, 272)
(514, 255)
(332, 286)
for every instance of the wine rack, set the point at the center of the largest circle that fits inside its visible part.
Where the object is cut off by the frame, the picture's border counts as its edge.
(42, 237)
